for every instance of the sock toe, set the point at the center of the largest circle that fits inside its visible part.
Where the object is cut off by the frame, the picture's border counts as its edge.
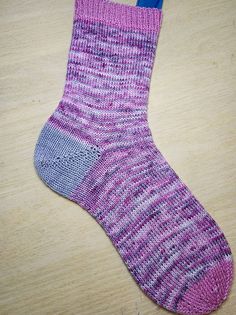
(207, 295)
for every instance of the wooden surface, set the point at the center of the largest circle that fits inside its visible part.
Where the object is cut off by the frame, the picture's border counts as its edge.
(55, 259)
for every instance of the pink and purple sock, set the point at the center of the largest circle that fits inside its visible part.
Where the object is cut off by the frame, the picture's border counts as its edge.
(97, 150)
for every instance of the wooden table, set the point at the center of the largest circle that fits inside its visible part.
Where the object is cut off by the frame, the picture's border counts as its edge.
(55, 259)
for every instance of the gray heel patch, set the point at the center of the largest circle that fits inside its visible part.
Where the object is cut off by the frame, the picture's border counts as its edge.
(61, 161)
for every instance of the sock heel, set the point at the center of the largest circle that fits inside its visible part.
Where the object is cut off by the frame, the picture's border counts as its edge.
(62, 161)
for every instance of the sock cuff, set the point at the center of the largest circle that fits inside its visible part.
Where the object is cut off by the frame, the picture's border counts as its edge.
(121, 15)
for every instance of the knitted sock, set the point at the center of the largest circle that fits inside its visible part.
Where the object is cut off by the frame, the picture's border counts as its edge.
(97, 150)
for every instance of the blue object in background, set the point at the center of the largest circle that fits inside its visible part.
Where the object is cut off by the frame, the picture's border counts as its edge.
(150, 3)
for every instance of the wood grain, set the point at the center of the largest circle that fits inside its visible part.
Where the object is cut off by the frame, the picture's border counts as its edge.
(55, 259)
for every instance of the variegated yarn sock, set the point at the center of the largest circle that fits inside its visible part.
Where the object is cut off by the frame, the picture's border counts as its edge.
(97, 150)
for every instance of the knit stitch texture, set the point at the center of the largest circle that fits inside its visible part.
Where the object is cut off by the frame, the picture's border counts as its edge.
(97, 150)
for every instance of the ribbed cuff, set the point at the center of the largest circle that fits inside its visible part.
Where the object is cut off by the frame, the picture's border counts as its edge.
(121, 15)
